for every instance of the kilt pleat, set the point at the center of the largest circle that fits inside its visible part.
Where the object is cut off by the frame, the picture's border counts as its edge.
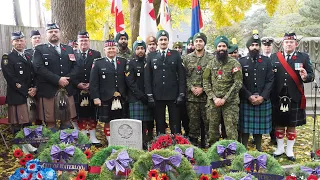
(296, 116)
(140, 111)
(255, 119)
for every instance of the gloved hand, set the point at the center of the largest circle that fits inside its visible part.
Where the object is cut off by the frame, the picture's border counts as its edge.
(144, 99)
(180, 99)
(151, 102)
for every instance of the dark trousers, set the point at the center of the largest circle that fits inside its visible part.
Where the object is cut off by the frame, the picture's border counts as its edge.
(185, 119)
(174, 117)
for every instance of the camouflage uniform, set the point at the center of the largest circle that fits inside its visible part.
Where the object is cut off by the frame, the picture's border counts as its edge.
(223, 81)
(124, 54)
(196, 105)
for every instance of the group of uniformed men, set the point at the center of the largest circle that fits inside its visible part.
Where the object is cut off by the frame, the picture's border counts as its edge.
(247, 95)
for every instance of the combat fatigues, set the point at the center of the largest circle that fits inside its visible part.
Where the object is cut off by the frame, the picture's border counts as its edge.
(86, 109)
(284, 85)
(223, 81)
(196, 109)
(17, 68)
(107, 78)
(50, 66)
(124, 54)
(165, 80)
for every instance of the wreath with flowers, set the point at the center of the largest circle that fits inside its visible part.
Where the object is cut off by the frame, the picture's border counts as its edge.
(33, 170)
(163, 164)
(166, 140)
(71, 154)
(257, 162)
(225, 149)
(69, 136)
(32, 132)
(119, 164)
(238, 176)
(308, 170)
(98, 160)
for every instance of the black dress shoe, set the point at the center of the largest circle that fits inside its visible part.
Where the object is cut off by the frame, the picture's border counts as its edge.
(96, 144)
(291, 158)
(275, 155)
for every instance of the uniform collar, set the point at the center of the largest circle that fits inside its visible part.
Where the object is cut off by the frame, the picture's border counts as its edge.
(291, 54)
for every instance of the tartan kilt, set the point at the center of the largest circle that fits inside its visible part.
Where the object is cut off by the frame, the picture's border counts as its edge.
(295, 117)
(140, 111)
(85, 112)
(255, 119)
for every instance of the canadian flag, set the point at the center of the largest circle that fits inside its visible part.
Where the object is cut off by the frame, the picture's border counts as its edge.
(116, 10)
(148, 24)
(165, 18)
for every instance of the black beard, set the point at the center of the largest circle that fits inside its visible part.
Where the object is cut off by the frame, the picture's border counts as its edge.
(190, 51)
(254, 53)
(222, 56)
(140, 58)
(123, 46)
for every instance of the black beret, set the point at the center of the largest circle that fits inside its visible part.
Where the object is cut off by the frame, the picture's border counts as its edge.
(17, 35)
(52, 26)
(83, 34)
(122, 33)
(34, 33)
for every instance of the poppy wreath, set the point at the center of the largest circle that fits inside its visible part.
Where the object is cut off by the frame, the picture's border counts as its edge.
(271, 164)
(197, 158)
(237, 176)
(308, 170)
(34, 170)
(80, 140)
(213, 154)
(124, 158)
(144, 168)
(45, 133)
(166, 140)
(98, 160)
(78, 157)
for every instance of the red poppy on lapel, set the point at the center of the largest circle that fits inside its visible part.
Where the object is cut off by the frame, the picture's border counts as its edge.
(294, 57)
(168, 53)
(260, 60)
(28, 57)
(90, 53)
(63, 48)
(118, 62)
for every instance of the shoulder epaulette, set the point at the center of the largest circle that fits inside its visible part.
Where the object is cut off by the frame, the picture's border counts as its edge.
(98, 59)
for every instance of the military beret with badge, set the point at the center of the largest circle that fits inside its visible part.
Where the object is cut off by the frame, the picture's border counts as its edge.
(121, 33)
(254, 39)
(267, 41)
(190, 40)
(139, 42)
(162, 33)
(52, 26)
(34, 33)
(220, 39)
(201, 36)
(83, 34)
(17, 35)
(290, 36)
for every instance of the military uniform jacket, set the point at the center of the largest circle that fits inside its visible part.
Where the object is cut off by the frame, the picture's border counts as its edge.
(135, 79)
(257, 77)
(50, 66)
(124, 54)
(282, 78)
(165, 79)
(17, 69)
(85, 65)
(30, 51)
(105, 80)
(223, 80)
(195, 67)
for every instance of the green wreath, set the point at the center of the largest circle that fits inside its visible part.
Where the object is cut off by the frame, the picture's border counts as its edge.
(134, 154)
(55, 138)
(46, 133)
(142, 167)
(78, 157)
(214, 156)
(237, 175)
(273, 167)
(300, 174)
(199, 155)
(99, 158)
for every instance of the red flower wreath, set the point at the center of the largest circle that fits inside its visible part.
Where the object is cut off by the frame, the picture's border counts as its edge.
(87, 152)
(17, 153)
(164, 141)
(214, 174)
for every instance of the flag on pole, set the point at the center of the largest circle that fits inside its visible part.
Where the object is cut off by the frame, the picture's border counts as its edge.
(196, 21)
(148, 24)
(116, 10)
(165, 18)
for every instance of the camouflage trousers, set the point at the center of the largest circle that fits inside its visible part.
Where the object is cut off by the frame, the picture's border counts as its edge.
(197, 113)
(230, 114)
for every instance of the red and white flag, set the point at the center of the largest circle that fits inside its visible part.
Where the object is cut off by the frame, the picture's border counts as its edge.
(165, 18)
(116, 10)
(148, 24)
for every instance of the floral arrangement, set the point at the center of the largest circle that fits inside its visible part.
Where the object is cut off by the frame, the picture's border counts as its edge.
(166, 140)
(34, 170)
(238, 176)
(225, 149)
(23, 158)
(257, 162)
(98, 160)
(309, 171)
(32, 132)
(163, 164)
(120, 163)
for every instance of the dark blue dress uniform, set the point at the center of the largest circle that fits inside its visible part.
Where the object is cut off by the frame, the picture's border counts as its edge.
(165, 80)
(257, 80)
(17, 68)
(105, 80)
(51, 66)
(284, 85)
(85, 62)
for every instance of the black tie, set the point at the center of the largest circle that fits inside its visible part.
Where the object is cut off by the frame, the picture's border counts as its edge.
(163, 55)
(113, 64)
(288, 57)
(83, 55)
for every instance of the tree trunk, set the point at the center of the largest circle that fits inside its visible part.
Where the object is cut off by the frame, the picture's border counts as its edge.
(69, 16)
(17, 13)
(135, 8)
